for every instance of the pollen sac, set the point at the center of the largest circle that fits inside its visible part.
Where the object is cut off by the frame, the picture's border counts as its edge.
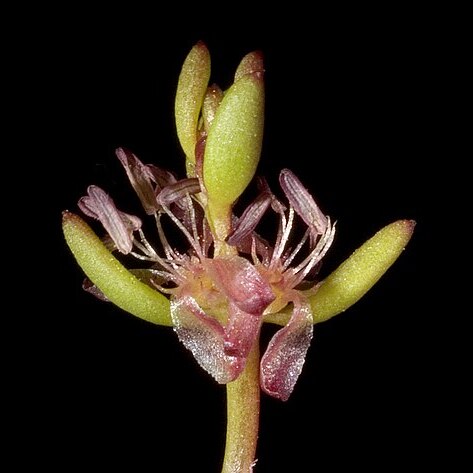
(302, 202)
(234, 140)
(141, 178)
(250, 219)
(119, 225)
(177, 191)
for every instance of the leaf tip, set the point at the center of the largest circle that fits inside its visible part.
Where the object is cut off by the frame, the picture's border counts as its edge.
(409, 225)
(201, 45)
(69, 218)
(405, 229)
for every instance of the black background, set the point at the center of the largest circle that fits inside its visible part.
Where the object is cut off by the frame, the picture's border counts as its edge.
(352, 107)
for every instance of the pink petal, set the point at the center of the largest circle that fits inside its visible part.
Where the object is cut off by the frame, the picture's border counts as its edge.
(140, 178)
(302, 201)
(241, 332)
(204, 337)
(119, 225)
(239, 280)
(282, 362)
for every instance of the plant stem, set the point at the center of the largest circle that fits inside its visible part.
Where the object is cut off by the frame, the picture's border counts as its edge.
(243, 400)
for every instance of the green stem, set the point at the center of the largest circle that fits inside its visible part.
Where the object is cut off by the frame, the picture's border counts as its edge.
(243, 399)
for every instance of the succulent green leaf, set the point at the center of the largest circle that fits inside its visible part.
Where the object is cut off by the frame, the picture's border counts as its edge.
(191, 89)
(356, 275)
(360, 272)
(111, 277)
(234, 141)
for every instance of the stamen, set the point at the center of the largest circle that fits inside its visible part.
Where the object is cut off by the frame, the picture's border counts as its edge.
(316, 254)
(164, 290)
(191, 210)
(282, 236)
(254, 255)
(168, 251)
(172, 267)
(142, 257)
(296, 250)
(184, 230)
(150, 250)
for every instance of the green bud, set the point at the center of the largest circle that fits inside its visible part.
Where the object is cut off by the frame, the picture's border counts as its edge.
(191, 89)
(234, 141)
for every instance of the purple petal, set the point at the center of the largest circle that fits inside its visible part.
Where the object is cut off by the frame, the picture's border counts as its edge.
(119, 225)
(140, 177)
(302, 201)
(239, 280)
(241, 332)
(249, 219)
(204, 337)
(282, 362)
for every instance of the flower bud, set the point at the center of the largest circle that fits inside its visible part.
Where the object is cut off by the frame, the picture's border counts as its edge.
(234, 141)
(191, 89)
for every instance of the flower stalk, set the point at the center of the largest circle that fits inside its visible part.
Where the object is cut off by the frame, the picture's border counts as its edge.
(243, 408)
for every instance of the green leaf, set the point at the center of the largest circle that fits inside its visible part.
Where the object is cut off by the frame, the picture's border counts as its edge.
(361, 271)
(110, 276)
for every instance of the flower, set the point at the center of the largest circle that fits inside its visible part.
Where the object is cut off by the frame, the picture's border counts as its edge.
(228, 279)
(218, 302)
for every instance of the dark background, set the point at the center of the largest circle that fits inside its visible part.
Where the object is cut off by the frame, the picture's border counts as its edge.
(352, 107)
